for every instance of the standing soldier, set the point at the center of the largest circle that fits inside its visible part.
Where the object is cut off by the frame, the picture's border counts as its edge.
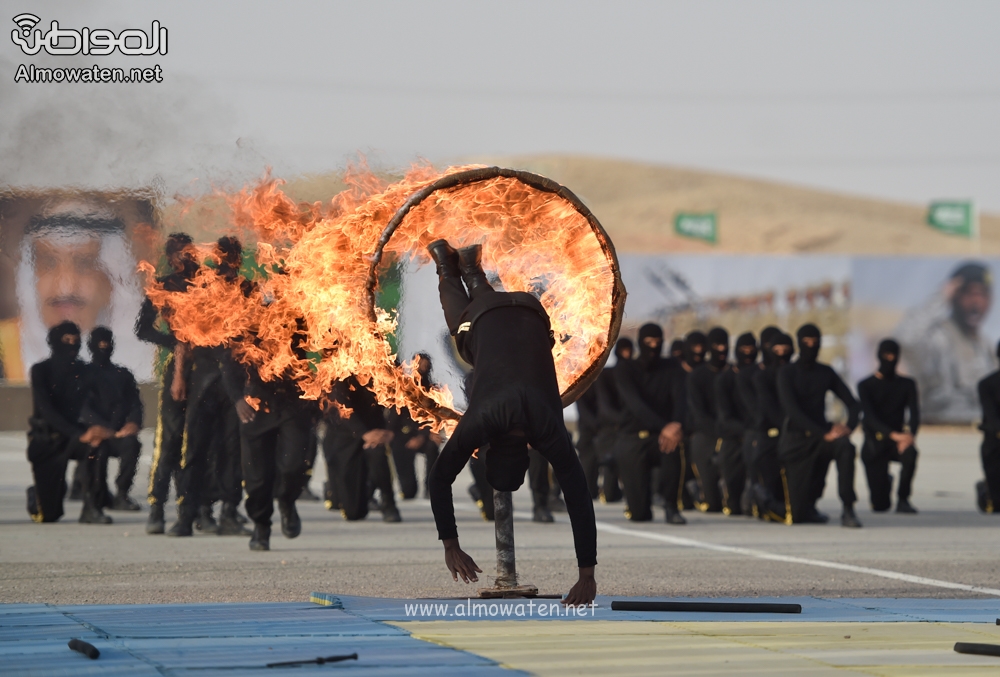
(169, 438)
(886, 397)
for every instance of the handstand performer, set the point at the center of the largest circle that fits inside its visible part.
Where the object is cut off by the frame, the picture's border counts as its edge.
(513, 402)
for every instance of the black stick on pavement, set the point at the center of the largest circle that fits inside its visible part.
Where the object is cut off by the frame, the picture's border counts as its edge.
(315, 661)
(709, 607)
(978, 649)
(86, 648)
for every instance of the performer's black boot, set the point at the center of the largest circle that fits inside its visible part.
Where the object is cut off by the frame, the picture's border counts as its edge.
(155, 524)
(291, 524)
(470, 262)
(445, 258)
(229, 525)
(261, 539)
(184, 524)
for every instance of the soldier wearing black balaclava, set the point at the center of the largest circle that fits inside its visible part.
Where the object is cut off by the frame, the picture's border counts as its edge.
(652, 396)
(702, 412)
(113, 403)
(734, 418)
(886, 398)
(513, 402)
(59, 388)
(677, 349)
(809, 443)
(410, 439)
(988, 491)
(693, 356)
(769, 418)
(150, 327)
(610, 419)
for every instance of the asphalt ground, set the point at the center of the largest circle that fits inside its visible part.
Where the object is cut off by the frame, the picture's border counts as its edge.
(949, 550)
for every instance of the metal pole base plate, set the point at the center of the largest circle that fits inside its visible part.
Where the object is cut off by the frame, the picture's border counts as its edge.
(508, 593)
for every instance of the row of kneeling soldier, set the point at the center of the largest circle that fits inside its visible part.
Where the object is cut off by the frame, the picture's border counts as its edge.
(748, 437)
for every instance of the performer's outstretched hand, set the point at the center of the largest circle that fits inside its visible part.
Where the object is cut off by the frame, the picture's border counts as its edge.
(459, 563)
(585, 589)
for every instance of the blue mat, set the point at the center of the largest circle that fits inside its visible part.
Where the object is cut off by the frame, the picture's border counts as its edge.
(216, 639)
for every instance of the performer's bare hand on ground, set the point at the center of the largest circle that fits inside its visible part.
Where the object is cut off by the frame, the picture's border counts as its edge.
(836, 432)
(670, 437)
(128, 430)
(377, 437)
(585, 589)
(459, 563)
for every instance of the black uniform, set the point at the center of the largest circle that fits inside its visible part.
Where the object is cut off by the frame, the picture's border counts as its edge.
(58, 393)
(513, 402)
(113, 401)
(769, 419)
(805, 456)
(168, 442)
(732, 423)
(273, 445)
(610, 418)
(989, 399)
(886, 397)
(652, 396)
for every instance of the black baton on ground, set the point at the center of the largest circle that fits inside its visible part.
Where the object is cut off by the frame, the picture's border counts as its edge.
(978, 649)
(316, 661)
(87, 649)
(709, 607)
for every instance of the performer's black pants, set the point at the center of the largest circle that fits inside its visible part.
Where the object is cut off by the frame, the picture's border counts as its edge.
(126, 450)
(350, 467)
(49, 453)
(169, 440)
(704, 460)
(406, 467)
(805, 460)
(733, 474)
(767, 475)
(274, 463)
(876, 455)
(538, 478)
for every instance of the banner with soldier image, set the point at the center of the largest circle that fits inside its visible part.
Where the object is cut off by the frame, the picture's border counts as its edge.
(71, 255)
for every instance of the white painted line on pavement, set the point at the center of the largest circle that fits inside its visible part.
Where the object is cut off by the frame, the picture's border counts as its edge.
(761, 554)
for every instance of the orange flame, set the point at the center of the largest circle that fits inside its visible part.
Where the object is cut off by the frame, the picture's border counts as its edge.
(313, 302)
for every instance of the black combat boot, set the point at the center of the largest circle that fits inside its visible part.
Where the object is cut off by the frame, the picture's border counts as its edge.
(229, 525)
(261, 539)
(470, 262)
(205, 522)
(848, 518)
(155, 524)
(291, 524)
(91, 514)
(184, 526)
(445, 258)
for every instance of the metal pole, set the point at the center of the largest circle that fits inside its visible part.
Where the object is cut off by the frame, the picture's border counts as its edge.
(503, 505)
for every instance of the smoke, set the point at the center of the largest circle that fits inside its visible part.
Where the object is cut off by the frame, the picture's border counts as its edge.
(117, 135)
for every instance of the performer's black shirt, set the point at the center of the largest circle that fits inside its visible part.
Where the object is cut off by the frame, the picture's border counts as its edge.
(884, 403)
(770, 414)
(514, 387)
(802, 390)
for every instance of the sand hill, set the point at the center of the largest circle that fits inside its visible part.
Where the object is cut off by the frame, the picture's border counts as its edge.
(636, 203)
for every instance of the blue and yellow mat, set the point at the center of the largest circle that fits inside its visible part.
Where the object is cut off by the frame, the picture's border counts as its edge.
(493, 637)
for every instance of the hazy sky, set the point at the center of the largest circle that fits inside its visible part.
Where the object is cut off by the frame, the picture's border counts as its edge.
(892, 99)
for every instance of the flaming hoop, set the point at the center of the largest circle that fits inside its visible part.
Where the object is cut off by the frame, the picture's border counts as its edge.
(579, 365)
